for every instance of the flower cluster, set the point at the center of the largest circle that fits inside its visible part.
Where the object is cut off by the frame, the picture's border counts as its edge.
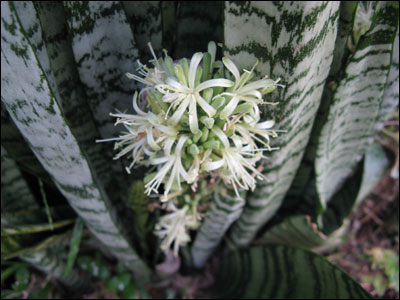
(196, 118)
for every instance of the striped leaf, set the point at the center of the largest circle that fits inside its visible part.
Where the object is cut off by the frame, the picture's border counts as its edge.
(340, 57)
(51, 29)
(31, 103)
(282, 272)
(145, 19)
(18, 150)
(197, 24)
(293, 41)
(104, 49)
(391, 95)
(298, 231)
(375, 166)
(223, 211)
(15, 192)
(356, 103)
(48, 261)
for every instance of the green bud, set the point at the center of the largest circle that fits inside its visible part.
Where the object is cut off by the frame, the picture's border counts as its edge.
(212, 144)
(194, 150)
(180, 74)
(197, 80)
(197, 136)
(206, 67)
(185, 67)
(229, 132)
(158, 96)
(201, 149)
(220, 123)
(243, 108)
(268, 90)
(214, 157)
(212, 49)
(218, 102)
(185, 119)
(204, 135)
(187, 162)
(170, 65)
(153, 103)
(188, 142)
(208, 122)
(207, 94)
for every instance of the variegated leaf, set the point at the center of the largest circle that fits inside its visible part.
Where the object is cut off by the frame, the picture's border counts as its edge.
(375, 166)
(298, 231)
(282, 272)
(104, 49)
(339, 62)
(50, 29)
(17, 148)
(356, 103)
(49, 262)
(223, 211)
(145, 18)
(293, 41)
(31, 102)
(197, 24)
(391, 95)
(15, 192)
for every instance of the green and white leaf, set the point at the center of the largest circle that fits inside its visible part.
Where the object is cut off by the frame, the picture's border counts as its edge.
(375, 166)
(391, 94)
(223, 211)
(104, 49)
(197, 23)
(145, 18)
(356, 104)
(36, 113)
(17, 148)
(47, 261)
(50, 25)
(15, 192)
(297, 231)
(293, 41)
(282, 272)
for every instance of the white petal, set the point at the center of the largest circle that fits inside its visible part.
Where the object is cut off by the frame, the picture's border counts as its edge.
(179, 112)
(193, 122)
(221, 135)
(214, 165)
(255, 85)
(150, 140)
(231, 67)
(214, 82)
(228, 110)
(205, 106)
(194, 63)
(266, 124)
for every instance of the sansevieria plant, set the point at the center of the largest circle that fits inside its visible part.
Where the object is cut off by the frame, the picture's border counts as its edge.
(245, 155)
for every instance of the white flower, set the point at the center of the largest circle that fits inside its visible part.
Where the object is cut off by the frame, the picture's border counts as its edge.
(172, 228)
(182, 96)
(242, 92)
(172, 164)
(236, 164)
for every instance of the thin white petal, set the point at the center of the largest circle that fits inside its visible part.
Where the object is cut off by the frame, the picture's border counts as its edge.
(231, 67)
(228, 110)
(205, 106)
(221, 135)
(194, 63)
(193, 122)
(213, 83)
(214, 165)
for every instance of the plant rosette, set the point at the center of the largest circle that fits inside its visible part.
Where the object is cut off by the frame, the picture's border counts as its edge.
(196, 120)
